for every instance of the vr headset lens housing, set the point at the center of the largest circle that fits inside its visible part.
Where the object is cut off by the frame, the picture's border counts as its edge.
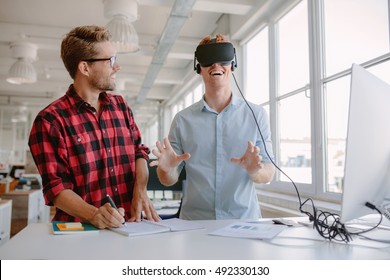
(222, 53)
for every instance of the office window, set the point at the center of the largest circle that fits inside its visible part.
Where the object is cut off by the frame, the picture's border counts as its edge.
(295, 140)
(198, 93)
(151, 136)
(257, 73)
(355, 32)
(337, 105)
(174, 110)
(293, 106)
(293, 49)
(382, 71)
(188, 99)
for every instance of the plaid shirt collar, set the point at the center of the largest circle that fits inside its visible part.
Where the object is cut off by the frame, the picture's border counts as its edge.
(77, 101)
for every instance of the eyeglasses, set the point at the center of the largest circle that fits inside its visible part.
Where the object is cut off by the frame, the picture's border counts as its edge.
(112, 60)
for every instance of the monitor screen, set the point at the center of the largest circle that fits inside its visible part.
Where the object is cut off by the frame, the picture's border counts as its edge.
(367, 162)
(16, 171)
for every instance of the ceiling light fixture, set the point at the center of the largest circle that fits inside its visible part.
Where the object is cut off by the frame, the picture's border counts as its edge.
(122, 13)
(23, 71)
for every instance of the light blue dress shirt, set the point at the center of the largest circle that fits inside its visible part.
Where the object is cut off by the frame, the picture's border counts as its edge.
(216, 188)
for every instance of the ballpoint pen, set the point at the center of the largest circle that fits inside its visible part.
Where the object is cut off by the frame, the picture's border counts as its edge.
(109, 200)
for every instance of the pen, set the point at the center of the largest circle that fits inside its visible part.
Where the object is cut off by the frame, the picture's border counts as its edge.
(109, 199)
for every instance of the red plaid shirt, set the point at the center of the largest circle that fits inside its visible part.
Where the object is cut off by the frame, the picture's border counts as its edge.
(92, 154)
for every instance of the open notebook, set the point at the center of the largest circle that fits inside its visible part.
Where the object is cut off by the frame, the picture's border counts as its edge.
(147, 227)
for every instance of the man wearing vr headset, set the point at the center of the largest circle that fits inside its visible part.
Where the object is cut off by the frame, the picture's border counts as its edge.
(218, 143)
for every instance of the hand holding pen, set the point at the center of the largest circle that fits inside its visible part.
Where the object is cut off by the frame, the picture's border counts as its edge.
(111, 202)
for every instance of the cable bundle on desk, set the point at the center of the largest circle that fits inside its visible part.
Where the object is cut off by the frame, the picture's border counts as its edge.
(327, 224)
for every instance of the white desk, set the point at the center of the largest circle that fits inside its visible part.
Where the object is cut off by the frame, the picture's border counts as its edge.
(301, 243)
(5, 220)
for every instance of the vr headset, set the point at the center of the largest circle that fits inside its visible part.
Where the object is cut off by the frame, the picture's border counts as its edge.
(223, 53)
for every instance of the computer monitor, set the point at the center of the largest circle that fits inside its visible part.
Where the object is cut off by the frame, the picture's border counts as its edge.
(367, 162)
(16, 171)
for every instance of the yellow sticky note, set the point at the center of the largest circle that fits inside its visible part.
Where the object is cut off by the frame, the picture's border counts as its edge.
(70, 226)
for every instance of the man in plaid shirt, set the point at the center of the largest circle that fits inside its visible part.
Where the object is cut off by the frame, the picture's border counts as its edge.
(87, 145)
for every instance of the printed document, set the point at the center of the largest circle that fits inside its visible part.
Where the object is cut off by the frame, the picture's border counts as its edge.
(249, 230)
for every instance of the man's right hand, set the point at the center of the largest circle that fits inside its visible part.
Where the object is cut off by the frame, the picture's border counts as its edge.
(108, 217)
(167, 158)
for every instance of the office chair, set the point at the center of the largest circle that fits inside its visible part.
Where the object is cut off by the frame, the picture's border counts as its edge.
(155, 185)
(171, 216)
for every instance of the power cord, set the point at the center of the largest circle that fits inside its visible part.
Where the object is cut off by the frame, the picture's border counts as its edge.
(327, 224)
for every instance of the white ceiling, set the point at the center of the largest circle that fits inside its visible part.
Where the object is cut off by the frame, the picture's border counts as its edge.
(148, 77)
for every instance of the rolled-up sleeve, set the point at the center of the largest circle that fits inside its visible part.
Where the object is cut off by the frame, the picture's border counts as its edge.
(50, 156)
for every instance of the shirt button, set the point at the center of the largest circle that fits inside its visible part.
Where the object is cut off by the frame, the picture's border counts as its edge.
(104, 131)
(79, 139)
(109, 150)
(112, 170)
(116, 189)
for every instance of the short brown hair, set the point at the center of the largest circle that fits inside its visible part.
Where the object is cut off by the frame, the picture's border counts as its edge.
(219, 38)
(79, 44)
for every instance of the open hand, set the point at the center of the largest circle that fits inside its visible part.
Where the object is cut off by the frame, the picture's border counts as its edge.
(251, 160)
(166, 156)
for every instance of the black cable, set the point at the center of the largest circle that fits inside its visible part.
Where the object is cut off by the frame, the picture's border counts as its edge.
(327, 224)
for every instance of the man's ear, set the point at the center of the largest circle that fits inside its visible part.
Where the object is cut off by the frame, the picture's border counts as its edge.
(83, 68)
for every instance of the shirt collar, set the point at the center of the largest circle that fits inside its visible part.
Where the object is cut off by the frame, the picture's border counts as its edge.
(233, 103)
(78, 102)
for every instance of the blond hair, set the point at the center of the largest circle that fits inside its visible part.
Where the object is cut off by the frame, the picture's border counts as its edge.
(219, 38)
